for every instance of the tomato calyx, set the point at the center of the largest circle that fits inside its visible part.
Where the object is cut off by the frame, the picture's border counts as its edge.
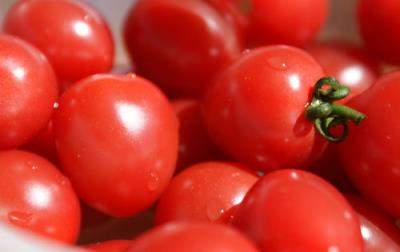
(326, 114)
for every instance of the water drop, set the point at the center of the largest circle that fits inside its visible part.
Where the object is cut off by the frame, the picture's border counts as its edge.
(277, 63)
(154, 182)
(34, 167)
(214, 209)
(20, 218)
(246, 51)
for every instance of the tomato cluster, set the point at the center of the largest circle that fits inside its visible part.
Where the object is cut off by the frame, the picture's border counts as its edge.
(234, 131)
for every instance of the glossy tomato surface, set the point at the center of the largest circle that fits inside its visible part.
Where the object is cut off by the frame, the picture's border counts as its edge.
(254, 110)
(110, 246)
(180, 45)
(35, 195)
(195, 144)
(349, 64)
(370, 155)
(73, 36)
(28, 89)
(288, 22)
(378, 24)
(205, 192)
(293, 210)
(117, 140)
(192, 236)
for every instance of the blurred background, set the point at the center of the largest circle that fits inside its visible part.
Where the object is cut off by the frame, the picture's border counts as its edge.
(341, 23)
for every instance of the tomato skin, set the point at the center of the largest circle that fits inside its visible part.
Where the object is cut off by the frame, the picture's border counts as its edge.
(36, 196)
(192, 236)
(241, 108)
(194, 143)
(117, 140)
(26, 79)
(274, 210)
(375, 240)
(375, 167)
(378, 25)
(110, 246)
(179, 45)
(286, 22)
(349, 64)
(73, 36)
(204, 192)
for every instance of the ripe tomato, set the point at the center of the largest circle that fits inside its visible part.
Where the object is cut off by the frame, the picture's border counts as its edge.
(293, 210)
(180, 45)
(255, 109)
(35, 195)
(349, 64)
(73, 36)
(194, 143)
(28, 89)
(286, 21)
(204, 192)
(378, 24)
(194, 237)
(117, 140)
(370, 154)
(110, 246)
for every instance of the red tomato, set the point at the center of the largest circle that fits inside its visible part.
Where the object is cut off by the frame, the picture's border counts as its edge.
(293, 210)
(72, 35)
(370, 154)
(374, 215)
(379, 24)
(204, 192)
(286, 21)
(374, 239)
(117, 140)
(194, 237)
(180, 45)
(255, 109)
(110, 246)
(36, 196)
(194, 143)
(28, 90)
(350, 65)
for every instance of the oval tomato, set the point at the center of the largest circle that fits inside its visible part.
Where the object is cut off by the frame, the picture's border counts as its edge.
(255, 109)
(28, 89)
(36, 196)
(195, 237)
(117, 140)
(293, 210)
(73, 36)
(370, 154)
(204, 192)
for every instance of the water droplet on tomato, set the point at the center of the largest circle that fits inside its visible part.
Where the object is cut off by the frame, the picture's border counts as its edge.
(246, 51)
(214, 209)
(20, 218)
(34, 167)
(277, 63)
(154, 182)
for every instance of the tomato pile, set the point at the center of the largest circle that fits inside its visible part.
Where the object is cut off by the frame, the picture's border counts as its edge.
(235, 131)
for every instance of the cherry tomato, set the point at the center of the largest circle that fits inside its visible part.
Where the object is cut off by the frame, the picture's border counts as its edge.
(349, 64)
(117, 140)
(28, 90)
(255, 109)
(35, 195)
(194, 237)
(73, 36)
(194, 143)
(204, 192)
(110, 246)
(286, 21)
(370, 154)
(293, 210)
(374, 239)
(180, 45)
(374, 215)
(378, 24)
